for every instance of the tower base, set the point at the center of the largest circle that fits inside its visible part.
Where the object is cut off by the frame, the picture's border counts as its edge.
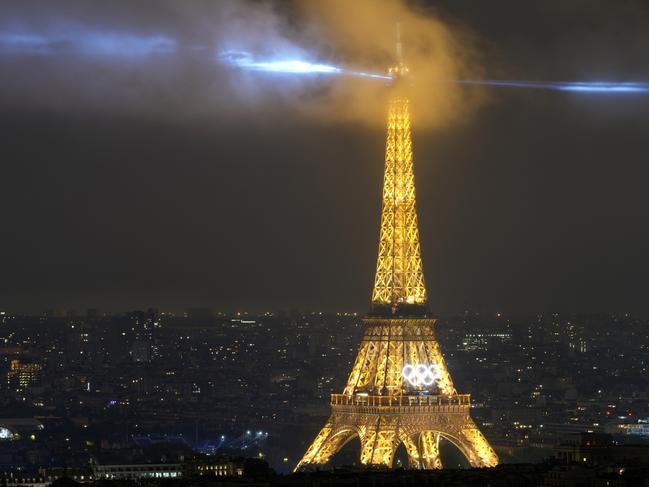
(382, 423)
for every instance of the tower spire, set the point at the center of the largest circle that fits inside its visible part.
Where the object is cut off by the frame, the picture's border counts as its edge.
(399, 69)
(399, 281)
(399, 45)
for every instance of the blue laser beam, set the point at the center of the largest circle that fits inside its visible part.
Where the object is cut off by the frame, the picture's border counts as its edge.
(87, 43)
(24, 43)
(98, 44)
(244, 60)
(571, 86)
(109, 44)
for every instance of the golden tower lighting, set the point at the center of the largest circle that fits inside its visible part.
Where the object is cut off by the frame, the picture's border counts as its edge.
(399, 390)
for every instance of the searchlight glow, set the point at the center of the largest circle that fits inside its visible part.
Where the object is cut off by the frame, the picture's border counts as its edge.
(244, 60)
(290, 66)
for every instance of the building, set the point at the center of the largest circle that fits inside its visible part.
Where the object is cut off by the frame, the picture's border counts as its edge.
(22, 375)
(138, 471)
(568, 476)
(215, 467)
(641, 428)
(593, 448)
(197, 467)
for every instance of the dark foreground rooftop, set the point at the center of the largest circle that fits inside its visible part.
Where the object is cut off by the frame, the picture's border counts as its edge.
(506, 475)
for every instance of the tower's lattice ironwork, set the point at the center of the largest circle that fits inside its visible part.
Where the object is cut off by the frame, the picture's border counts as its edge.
(399, 272)
(399, 390)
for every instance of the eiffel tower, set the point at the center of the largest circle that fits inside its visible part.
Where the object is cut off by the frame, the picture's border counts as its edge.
(399, 390)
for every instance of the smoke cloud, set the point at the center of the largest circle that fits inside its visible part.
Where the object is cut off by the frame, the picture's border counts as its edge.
(125, 57)
(363, 33)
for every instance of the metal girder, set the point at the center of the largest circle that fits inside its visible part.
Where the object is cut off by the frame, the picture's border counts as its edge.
(429, 445)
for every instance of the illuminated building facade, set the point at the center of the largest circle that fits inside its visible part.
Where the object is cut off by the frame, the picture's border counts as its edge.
(399, 390)
(215, 467)
(200, 467)
(22, 376)
(138, 472)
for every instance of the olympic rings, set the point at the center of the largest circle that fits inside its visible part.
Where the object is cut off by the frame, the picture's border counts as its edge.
(421, 375)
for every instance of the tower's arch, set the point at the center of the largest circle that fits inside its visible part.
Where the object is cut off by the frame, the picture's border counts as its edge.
(331, 439)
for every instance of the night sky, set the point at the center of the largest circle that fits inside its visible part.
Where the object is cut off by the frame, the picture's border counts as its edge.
(116, 196)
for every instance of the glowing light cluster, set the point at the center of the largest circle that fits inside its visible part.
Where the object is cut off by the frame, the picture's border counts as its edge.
(5, 433)
(421, 374)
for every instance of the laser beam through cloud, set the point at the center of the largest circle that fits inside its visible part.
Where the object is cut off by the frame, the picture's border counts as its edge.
(245, 60)
(572, 86)
(96, 44)
(88, 43)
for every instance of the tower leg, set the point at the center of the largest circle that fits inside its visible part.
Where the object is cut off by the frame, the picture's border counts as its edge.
(478, 451)
(326, 444)
(381, 435)
(429, 447)
(379, 442)
(414, 457)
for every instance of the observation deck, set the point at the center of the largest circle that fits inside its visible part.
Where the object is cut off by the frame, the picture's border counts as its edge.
(457, 403)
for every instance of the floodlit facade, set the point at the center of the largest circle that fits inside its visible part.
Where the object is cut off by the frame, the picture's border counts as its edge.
(22, 376)
(399, 390)
(138, 472)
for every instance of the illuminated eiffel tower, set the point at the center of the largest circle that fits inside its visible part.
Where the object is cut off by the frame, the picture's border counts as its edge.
(399, 390)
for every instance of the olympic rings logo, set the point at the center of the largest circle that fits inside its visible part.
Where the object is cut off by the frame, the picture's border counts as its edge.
(421, 375)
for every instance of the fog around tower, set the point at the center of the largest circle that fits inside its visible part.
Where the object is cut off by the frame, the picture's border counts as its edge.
(159, 60)
(435, 51)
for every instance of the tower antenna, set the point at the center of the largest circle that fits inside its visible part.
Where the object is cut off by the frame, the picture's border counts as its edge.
(399, 46)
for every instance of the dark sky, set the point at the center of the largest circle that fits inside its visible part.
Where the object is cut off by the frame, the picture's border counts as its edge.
(536, 203)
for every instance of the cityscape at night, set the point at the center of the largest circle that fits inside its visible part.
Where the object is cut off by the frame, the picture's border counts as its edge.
(113, 386)
(324, 243)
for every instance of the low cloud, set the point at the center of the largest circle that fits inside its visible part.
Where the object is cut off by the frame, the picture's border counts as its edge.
(123, 57)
